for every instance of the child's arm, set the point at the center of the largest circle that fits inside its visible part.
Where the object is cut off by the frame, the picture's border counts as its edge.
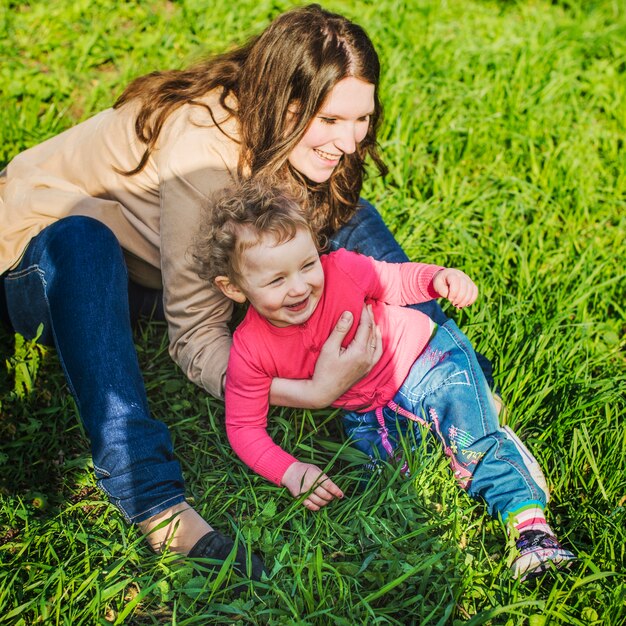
(246, 395)
(253, 445)
(456, 286)
(255, 448)
(408, 283)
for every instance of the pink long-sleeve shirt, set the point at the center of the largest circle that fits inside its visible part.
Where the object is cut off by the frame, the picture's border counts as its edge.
(261, 351)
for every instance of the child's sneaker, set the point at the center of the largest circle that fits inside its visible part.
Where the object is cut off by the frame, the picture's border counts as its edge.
(539, 552)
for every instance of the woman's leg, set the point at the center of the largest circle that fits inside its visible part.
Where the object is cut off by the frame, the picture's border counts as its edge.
(72, 279)
(368, 234)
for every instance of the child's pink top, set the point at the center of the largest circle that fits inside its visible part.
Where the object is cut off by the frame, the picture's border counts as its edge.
(261, 351)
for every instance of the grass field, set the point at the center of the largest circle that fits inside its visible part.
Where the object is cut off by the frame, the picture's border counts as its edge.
(504, 134)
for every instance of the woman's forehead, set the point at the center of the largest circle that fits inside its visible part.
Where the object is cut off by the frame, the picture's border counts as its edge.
(350, 97)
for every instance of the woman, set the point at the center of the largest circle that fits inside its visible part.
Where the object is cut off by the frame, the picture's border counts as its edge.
(105, 213)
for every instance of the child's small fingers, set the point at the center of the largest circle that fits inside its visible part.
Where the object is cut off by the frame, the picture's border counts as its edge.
(310, 505)
(471, 295)
(317, 501)
(474, 293)
(333, 489)
(466, 295)
(452, 291)
(325, 493)
(461, 300)
(329, 486)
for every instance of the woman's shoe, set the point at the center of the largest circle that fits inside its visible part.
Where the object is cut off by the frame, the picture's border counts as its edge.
(215, 545)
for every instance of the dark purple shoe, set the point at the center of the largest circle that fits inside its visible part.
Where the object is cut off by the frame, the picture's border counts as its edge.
(215, 545)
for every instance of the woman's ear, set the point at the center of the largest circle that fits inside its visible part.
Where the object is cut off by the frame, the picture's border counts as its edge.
(230, 290)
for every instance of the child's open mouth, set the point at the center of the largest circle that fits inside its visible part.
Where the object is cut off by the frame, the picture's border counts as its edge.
(298, 306)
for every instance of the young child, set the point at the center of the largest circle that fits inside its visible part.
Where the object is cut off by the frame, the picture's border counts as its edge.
(259, 248)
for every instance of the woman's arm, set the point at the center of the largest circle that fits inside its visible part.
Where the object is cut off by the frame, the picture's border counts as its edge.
(337, 368)
(197, 316)
(194, 160)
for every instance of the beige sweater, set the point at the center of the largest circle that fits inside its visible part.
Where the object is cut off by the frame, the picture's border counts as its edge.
(154, 214)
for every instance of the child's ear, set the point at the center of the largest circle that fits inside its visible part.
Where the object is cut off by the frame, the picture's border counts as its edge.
(230, 290)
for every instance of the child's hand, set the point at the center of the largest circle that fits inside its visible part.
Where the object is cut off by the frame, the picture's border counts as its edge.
(303, 477)
(456, 286)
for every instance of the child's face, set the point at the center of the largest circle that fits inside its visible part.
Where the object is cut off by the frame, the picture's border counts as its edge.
(283, 282)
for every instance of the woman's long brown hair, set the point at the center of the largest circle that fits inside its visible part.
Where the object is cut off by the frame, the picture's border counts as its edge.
(290, 67)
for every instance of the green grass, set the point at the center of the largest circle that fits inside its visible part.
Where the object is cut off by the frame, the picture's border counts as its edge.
(504, 133)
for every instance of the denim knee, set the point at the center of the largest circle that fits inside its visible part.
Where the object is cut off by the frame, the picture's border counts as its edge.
(79, 243)
(73, 256)
(367, 233)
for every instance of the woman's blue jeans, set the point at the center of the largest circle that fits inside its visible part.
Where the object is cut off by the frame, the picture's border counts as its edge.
(446, 391)
(73, 279)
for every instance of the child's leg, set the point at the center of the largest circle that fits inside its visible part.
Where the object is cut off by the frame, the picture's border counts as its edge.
(446, 389)
(364, 433)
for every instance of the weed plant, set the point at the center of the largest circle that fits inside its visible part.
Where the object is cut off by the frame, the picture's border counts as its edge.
(504, 134)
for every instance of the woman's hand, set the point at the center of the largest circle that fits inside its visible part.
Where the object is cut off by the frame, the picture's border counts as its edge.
(456, 286)
(304, 477)
(337, 368)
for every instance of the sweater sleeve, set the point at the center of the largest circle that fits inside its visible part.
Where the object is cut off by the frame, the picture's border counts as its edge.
(247, 405)
(194, 161)
(393, 283)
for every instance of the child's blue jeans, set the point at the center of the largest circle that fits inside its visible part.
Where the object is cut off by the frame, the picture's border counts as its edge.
(447, 391)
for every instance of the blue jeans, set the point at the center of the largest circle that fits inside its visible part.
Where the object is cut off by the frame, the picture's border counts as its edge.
(446, 391)
(367, 233)
(73, 279)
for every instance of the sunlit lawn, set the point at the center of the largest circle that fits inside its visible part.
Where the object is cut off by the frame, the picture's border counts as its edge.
(504, 135)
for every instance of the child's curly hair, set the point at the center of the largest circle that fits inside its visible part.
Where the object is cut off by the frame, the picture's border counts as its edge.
(238, 217)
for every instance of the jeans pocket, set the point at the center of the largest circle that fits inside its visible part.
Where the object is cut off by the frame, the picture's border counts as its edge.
(27, 303)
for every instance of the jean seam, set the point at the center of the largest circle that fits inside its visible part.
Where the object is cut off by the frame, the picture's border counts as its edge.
(17, 274)
(102, 471)
(152, 508)
(68, 380)
(430, 391)
(450, 329)
(524, 475)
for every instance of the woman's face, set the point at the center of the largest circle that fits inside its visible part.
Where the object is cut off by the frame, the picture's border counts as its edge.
(340, 124)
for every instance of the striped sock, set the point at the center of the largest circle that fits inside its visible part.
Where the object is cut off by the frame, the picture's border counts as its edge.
(529, 517)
